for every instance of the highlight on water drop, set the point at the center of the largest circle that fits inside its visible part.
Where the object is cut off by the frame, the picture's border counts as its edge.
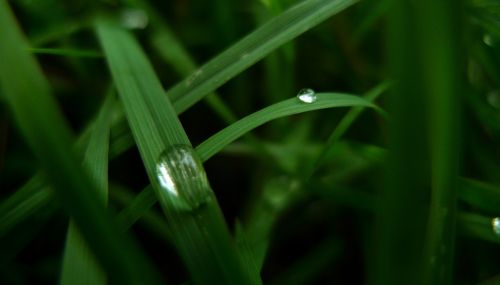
(495, 225)
(307, 95)
(182, 178)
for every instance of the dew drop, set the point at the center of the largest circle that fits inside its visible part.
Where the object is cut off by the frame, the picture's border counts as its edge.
(134, 19)
(181, 177)
(495, 225)
(307, 95)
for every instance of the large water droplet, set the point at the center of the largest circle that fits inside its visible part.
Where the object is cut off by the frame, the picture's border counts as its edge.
(134, 19)
(307, 95)
(495, 225)
(182, 178)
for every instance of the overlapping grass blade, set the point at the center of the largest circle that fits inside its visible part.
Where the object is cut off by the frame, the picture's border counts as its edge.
(201, 237)
(252, 48)
(79, 265)
(345, 123)
(173, 52)
(217, 142)
(29, 97)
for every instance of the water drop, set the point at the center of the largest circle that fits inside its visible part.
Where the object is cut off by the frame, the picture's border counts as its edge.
(307, 95)
(182, 179)
(134, 19)
(495, 224)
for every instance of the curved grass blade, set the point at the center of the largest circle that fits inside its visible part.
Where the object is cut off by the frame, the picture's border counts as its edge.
(198, 229)
(217, 142)
(284, 108)
(281, 29)
(79, 264)
(29, 97)
(275, 33)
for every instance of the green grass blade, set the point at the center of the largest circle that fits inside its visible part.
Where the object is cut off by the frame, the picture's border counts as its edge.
(416, 239)
(440, 42)
(200, 234)
(217, 142)
(33, 197)
(153, 221)
(252, 48)
(29, 97)
(79, 264)
(304, 270)
(285, 108)
(345, 123)
(138, 206)
(484, 196)
(275, 33)
(66, 52)
(477, 226)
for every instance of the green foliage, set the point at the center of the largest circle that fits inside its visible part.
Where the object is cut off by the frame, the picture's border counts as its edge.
(399, 186)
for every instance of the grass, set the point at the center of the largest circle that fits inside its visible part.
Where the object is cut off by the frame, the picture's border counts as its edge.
(113, 172)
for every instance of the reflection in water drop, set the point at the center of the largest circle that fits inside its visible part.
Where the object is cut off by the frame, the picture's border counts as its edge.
(181, 176)
(495, 224)
(307, 95)
(134, 19)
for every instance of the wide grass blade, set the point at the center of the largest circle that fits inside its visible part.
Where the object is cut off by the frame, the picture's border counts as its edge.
(281, 29)
(29, 97)
(199, 233)
(79, 265)
(415, 241)
(217, 142)
(273, 34)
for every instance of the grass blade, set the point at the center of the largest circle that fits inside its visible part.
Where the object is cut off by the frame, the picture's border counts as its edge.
(284, 108)
(217, 142)
(198, 230)
(274, 34)
(29, 97)
(79, 264)
(253, 48)
(423, 157)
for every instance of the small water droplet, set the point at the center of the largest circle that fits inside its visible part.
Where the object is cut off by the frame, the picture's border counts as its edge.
(307, 95)
(134, 19)
(495, 225)
(181, 176)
